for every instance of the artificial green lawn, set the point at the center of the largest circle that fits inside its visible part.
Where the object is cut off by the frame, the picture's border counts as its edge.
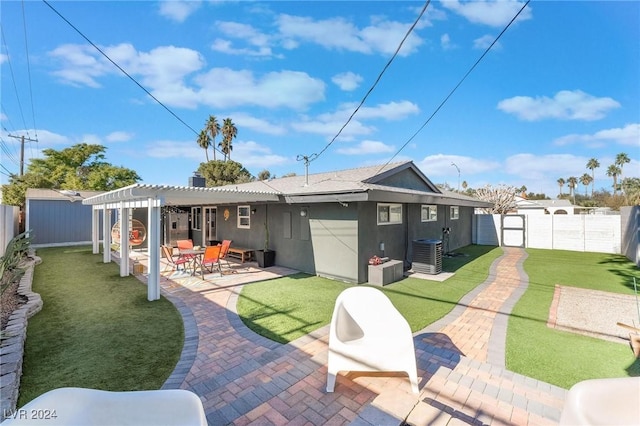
(96, 329)
(558, 357)
(290, 307)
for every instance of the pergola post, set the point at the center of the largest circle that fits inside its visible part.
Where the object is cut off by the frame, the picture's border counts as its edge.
(95, 230)
(153, 250)
(106, 234)
(124, 239)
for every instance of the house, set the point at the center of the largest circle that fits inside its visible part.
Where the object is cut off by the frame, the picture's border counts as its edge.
(526, 206)
(328, 224)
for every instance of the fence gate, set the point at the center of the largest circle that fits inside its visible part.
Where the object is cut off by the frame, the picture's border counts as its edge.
(512, 230)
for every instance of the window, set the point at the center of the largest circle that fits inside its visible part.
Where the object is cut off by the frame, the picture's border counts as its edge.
(196, 217)
(455, 212)
(429, 213)
(244, 217)
(389, 214)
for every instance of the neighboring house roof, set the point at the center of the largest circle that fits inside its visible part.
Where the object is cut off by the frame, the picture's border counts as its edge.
(56, 194)
(524, 203)
(395, 182)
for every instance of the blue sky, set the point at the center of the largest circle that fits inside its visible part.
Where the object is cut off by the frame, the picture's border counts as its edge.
(561, 86)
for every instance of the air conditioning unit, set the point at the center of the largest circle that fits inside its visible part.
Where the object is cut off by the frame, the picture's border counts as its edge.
(427, 256)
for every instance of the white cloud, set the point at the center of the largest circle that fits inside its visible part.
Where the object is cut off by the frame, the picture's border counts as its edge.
(489, 12)
(347, 81)
(164, 72)
(260, 42)
(627, 135)
(226, 46)
(253, 155)
(223, 87)
(3, 117)
(119, 136)
(81, 66)
(367, 147)
(178, 10)
(3, 58)
(175, 149)
(381, 36)
(329, 124)
(388, 111)
(440, 165)
(565, 105)
(484, 42)
(445, 42)
(246, 121)
(545, 167)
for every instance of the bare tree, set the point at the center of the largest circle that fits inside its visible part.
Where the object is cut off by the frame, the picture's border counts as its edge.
(503, 198)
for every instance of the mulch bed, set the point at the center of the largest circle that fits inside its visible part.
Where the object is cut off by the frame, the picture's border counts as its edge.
(9, 301)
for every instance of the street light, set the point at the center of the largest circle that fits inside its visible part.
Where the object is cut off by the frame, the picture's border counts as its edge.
(458, 169)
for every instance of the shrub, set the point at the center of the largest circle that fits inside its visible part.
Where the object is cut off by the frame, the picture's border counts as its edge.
(16, 251)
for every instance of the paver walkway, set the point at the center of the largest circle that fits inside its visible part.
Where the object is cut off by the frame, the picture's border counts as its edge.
(245, 379)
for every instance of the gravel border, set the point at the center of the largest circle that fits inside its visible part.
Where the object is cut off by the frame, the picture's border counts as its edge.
(593, 313)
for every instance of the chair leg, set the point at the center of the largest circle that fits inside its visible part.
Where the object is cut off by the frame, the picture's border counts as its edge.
(413, 378)
(331, 381)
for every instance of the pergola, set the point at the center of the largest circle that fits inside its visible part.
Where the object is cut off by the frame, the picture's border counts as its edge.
(154, 197)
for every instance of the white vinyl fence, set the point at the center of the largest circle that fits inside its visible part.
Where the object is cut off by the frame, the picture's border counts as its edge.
(8, 225)
(594, 233)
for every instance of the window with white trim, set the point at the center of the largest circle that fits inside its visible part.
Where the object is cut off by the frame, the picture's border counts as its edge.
(196, 218)
(455, 212)
(244, 217)
(429, 213)
(389, 214)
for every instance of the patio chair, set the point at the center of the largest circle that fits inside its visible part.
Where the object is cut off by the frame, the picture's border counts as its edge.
(369, 334)
(185, 245)
(224, 251)
(174, 262)
(602, 402)
(211, 258)
(79, 406)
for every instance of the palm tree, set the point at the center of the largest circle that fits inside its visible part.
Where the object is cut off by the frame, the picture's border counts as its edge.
(621, 160)
(585, 179)
(229, 132)
(572, 182)
(213, 128)
(204, 142)
(593, 164)
(561, 183)
(614, 171)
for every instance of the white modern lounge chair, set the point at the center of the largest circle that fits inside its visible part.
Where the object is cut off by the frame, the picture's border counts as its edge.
(91, 407)
(369, 334)
(603, 402)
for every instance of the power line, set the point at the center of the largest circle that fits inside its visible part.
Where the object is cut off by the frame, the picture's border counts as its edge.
(26, 48)
(13, 79)
(8, 154)
(444, 101)
(314, 156)
(122, 70)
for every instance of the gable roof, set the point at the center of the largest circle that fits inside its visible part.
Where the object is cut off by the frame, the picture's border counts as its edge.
(334, 182)
(56, 194)
(394, 182)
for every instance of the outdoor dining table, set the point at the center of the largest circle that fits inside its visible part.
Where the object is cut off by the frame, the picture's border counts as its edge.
(196, 256)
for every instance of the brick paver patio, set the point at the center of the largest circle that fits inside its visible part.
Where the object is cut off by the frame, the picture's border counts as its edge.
(245, 379)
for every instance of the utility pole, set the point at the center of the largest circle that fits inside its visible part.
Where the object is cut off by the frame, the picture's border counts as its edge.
(22, 139)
